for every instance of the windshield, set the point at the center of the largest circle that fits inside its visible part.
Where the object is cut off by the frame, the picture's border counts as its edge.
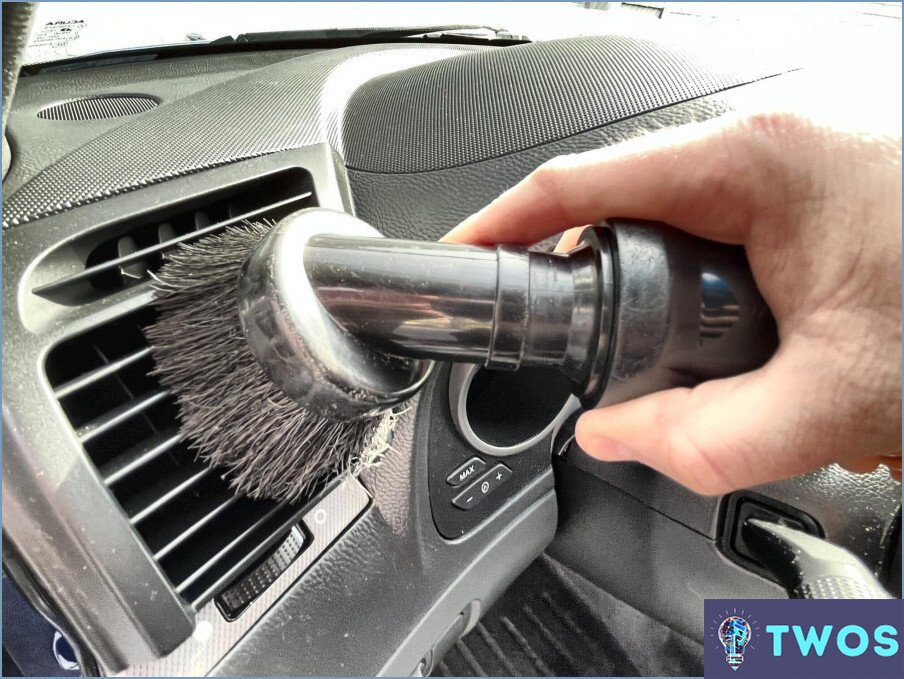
(71, 29)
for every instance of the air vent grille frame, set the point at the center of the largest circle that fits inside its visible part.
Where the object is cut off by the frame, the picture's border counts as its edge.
(103, 262)
(180, 507)
(67, 239)
(58, 513)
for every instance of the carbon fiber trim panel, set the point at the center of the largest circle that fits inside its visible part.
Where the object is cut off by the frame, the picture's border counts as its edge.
(214, 635)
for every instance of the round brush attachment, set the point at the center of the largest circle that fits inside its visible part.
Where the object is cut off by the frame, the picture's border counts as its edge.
(301, 348)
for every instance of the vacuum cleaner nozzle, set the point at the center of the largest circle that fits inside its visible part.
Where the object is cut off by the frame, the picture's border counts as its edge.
(338, 325)
(230, 413)
(301, 348)
(344, 321)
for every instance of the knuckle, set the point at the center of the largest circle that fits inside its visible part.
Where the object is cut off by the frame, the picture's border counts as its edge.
(548, 175)
(694, 462)
(549, 181)
(776, 125)
(694, 466)
(766, 148)
(559, 163)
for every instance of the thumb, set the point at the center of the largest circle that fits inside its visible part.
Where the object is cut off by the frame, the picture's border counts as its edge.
(724, 434)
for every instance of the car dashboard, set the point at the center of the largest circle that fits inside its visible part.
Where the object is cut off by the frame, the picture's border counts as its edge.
(141, 553)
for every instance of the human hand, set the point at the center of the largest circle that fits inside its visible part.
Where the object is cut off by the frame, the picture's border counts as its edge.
(817, 205)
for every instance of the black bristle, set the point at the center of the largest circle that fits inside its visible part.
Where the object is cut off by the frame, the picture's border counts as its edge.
(230, 412)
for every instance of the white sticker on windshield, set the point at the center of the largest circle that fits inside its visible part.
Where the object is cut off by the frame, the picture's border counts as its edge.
(52, 40)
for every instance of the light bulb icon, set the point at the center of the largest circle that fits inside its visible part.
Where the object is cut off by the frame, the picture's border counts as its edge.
(734, 633)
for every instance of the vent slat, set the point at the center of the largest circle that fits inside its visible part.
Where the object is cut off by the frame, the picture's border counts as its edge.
(93, 376)
(202, 221)
(89, 273)
(165, 232)
(235, 542)
(117, 416)
(138, 456)
(198, 530)
(142, 506)
(195, 527)
(125, 247)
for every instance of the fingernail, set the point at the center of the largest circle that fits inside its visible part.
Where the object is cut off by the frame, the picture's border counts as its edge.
(608, 449)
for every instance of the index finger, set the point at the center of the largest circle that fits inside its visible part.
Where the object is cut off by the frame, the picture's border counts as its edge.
(690, 177)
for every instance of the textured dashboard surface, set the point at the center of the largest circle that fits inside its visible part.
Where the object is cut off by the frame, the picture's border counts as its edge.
(356, 606)
(485, 105)
(393, 106)
(393, 554)
(426, 205)
(856, 511)
(41, 143)
(285, 105)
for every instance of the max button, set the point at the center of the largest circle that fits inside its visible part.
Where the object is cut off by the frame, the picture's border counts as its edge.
(465, 472)
(486, 484)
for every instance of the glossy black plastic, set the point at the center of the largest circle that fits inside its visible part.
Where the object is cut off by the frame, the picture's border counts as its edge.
(687, 310)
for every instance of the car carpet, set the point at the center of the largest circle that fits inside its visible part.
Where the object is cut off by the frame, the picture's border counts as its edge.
(553, 622)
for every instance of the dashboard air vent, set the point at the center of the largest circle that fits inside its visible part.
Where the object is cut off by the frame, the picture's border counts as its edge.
(200, 533)
(97, 108)
(124, 254)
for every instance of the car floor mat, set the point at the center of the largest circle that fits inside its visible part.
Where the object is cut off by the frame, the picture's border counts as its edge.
(553, 622)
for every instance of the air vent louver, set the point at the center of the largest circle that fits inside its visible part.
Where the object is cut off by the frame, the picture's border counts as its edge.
(125, 253)
(200, 533)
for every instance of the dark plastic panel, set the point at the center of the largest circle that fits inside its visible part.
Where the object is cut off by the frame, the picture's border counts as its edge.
(508, 100)
(380, 599)
(642, 557)
(393, 555)
(40, 143)
(447, 450)
(66, 525)
(324, 521)
(857, 511)
(745, 505)
(676, 557)
(281, 106)
(700, 513)
(388, 108)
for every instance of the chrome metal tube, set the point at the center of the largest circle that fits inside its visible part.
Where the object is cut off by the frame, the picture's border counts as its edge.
(503, 307)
